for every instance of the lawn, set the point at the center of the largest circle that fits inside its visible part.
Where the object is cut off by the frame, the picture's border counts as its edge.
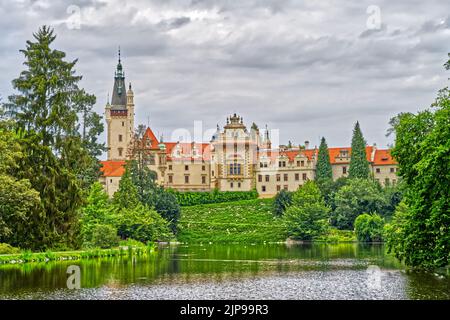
(240, 221)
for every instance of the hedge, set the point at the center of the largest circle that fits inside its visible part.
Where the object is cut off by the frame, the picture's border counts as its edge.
(191, 198)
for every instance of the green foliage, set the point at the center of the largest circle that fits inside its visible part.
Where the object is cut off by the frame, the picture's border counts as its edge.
(56, 159)
(282, 201)
(98, 211)
(152, 195)
(358, 196)
(307, 217)
(369, 227)
(196, 198)
(246, 221)
(8, 249)
(359, 166)
(104, 236)
(167, 206)
(420, 230)
(329, 188)
(334, 235)
(323, 168)
(17, 200)
(142, 224)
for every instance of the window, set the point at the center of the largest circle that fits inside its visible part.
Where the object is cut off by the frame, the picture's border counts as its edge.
(297, 176)
(285, 177)
(123, 123)
(298, 163)
(304, 176)
(282, 164)
(263, 188)
(231, 185)
(260, 164)
(212, 172)
(278, 188)
(235, 169)
(110, 180)
(120, 138)
(186, 167)
(278, 177)
(120, 151)
(285, 187)
(392, 170)
(170, 179)
(344, 170)
(203, 179)
(239, 184)
(259, 178)
(170, 167)
(186, 179)
(267, 178)
(378, 170)
(303, 163)
(203, 168)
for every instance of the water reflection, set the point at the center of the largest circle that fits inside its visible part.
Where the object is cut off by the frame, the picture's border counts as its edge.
(211, 269)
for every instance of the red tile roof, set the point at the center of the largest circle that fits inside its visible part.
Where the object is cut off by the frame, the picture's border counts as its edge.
(383, 157)
(150, 135)
(112, 168)
(186, 149)
(335, 152)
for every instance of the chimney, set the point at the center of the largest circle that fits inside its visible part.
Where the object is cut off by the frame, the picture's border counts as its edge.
(306, 144)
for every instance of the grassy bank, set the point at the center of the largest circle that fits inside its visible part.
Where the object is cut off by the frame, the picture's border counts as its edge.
(28, 256)
(239, 221)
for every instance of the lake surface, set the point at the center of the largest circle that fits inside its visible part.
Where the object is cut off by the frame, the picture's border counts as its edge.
(235, 271)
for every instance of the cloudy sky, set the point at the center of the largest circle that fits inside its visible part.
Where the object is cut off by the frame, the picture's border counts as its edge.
(307, 68)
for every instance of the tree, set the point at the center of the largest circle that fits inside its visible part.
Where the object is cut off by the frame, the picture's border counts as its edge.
(307, 217)
(421, 234)
(329, 188)
(19, 202)
(358, 196)
(167, 206)
(359, 166)
(135, 219)
(369, 228)
(90, 126)
(282, 201)
(45, 114)
(97, 211)
(323, 168)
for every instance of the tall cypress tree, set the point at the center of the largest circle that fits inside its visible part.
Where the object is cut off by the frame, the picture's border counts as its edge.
(359, 166)
(323, 168)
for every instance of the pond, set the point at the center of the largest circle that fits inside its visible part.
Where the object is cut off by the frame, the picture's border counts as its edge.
(234, 271)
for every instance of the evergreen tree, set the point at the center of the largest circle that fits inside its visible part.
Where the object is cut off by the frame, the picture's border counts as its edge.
(359, 166)
(45, 114)
(323, 168)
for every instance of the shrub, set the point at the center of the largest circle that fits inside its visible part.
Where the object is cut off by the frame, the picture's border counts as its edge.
(307, 217)
(142, 224)
(369, 228)
(282, 201)
(358, 196)
(104, 236)
(196, 198)
(8, 249)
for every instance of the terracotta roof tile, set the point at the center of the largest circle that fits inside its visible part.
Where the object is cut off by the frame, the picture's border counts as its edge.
(383, 157)
(112, 168)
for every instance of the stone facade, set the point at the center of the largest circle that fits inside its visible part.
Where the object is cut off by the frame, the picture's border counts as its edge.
(236, 159)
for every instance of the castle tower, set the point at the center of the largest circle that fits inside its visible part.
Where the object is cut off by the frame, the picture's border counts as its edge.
(119, 117)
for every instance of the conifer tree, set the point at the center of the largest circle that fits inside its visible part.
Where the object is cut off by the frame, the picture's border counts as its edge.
(359, 166)
(323, 169)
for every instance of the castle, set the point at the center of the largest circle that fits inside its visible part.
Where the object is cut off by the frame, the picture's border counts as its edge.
(236, 158)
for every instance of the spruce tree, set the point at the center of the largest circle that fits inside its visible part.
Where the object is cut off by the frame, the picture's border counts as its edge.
(323, 168)
(359, 166)
(45, 111)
